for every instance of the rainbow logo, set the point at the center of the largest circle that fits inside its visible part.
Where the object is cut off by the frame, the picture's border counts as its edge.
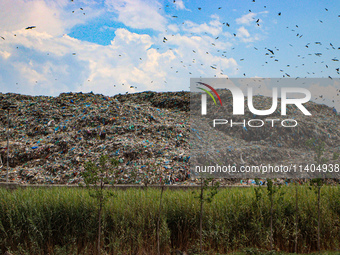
(208, 92)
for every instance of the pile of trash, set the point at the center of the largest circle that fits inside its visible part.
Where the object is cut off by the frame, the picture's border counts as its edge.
(290, 139)
(51, 138)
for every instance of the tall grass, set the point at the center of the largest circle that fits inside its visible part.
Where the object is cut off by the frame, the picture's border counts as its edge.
(64, 221)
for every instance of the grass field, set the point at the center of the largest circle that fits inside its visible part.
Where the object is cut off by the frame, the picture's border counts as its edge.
(64, 221)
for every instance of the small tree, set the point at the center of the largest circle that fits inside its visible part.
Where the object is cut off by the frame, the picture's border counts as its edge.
(296, 216)
(317, 184)
(159, 216)
(208, 198)
(95, 176)
(271, 191)
(319, 148)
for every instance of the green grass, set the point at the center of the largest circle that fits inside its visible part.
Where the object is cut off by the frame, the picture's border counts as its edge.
(63, 221)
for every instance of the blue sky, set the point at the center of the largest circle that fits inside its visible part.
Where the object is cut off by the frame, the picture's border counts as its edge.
(119, 46)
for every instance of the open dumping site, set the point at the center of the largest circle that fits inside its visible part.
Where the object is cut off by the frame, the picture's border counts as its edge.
(51, 138)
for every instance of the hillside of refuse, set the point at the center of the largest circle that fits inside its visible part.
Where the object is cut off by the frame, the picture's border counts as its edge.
(51, 138)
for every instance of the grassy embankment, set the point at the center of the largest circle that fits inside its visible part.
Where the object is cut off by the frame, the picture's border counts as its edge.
(64, 221)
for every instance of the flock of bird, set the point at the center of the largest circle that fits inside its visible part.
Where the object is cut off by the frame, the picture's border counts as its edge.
(269, 53)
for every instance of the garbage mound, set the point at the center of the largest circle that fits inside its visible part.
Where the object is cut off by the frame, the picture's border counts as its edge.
(170, 100)
(51, 138)
(280, 139)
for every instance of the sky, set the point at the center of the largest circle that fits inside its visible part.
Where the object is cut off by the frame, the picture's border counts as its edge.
(128, 46)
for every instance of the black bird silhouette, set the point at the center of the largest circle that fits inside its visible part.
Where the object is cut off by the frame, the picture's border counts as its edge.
(31, 27)
(272, 52)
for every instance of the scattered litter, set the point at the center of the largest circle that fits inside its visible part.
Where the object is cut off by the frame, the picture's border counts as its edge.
(51, 138)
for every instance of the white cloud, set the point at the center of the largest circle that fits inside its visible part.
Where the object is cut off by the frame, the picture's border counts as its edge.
(53, 17)
(197, 55)
(46, 60)
(173, 28)
(5, 54)
(44, 64)
(126, 38)
(29, 72)
(138, 13)
(21, 14)
(214, 28)
(246, 19)
(242, 32)
(179, 5)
